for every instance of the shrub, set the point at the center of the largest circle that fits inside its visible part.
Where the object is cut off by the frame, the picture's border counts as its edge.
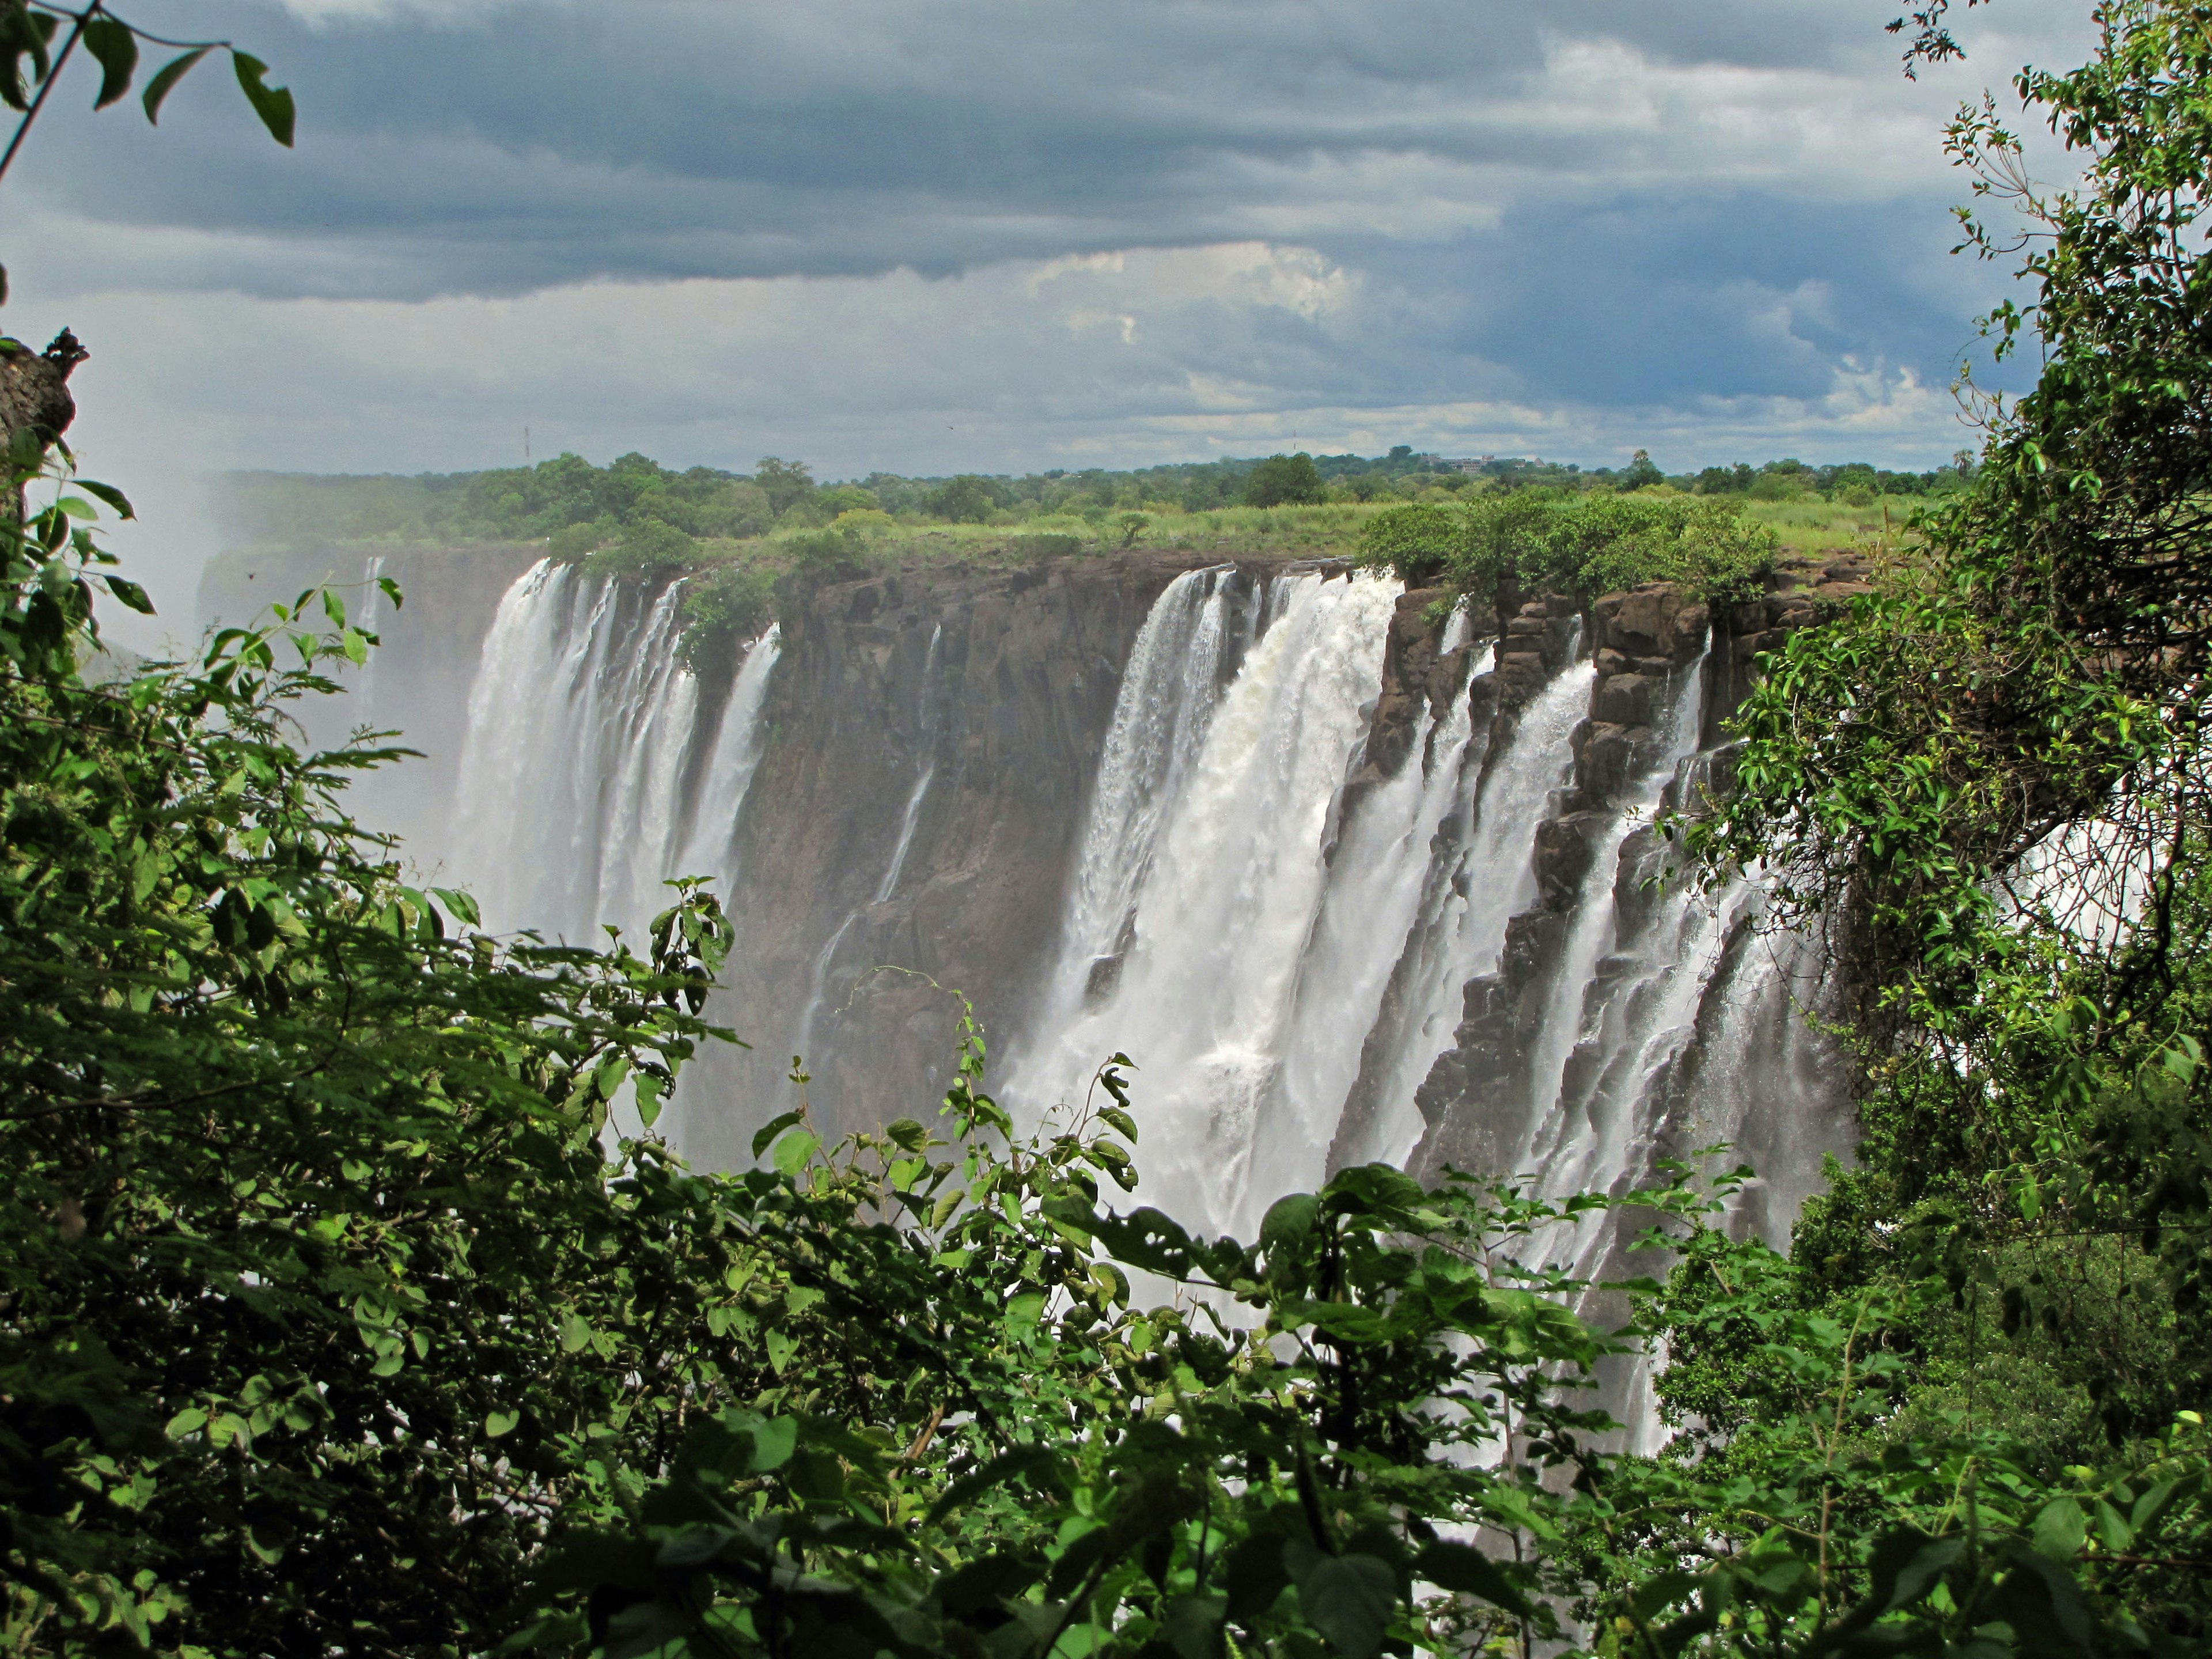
(864, 521)
(1585, 545)
(731, 602)
(1416, 542)
(645, 545)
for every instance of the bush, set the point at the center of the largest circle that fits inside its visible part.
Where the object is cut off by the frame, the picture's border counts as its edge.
(864, 521)
(1586, 545)
(729, 603)
(1418, 543)
(645, 545)
(574, 541)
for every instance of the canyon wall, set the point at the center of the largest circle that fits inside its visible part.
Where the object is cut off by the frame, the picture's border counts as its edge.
(1349, 873)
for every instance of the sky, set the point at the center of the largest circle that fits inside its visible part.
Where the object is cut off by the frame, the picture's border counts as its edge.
(939, 236)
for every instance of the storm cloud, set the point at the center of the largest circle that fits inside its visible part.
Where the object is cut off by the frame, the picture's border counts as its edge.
(956, 233)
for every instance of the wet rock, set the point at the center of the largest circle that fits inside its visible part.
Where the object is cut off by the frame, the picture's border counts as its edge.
(1566, 848)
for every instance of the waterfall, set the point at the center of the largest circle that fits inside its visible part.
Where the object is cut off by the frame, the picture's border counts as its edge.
(1177, 667)
(1312, 960)
(1226, 899)
(730, 767)
(1377, 875)
(1480, 879)
(583, 728)
(1594, 928)
(927, 772)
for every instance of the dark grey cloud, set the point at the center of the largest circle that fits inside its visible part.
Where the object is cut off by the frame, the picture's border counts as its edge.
(514, 146)
(845, 229)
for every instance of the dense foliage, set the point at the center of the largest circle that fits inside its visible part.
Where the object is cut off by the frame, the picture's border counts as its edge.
(585, 507)
(1987, 785)
(1536, 540)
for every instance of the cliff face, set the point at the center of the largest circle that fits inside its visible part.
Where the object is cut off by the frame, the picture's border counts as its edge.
(931, 736)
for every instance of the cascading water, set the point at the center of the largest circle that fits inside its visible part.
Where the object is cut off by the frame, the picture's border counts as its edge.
(1225, 901)
(1377, 875)
(1181, 656)
(909, 818)
(1593, 931)
(1290, 957)
(730, 766)
(1478, 881)
(583, 730)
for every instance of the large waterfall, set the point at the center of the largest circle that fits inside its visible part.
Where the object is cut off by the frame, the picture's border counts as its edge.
(1347, 880)
(1226, 867)
(1285, 957)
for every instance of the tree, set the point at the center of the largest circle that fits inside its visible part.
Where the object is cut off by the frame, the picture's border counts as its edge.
(1283, 481)
(1641, 473)
(786, 483)
(968, 499)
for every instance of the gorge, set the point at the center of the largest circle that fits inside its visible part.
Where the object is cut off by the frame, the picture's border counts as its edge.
(1349, 873)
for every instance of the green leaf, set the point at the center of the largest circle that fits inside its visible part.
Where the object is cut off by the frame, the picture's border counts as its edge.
(1255, 1576)
(781, 1348)
(765, 1136)
(1464, 1568)
(1193, 1625)
(1120, 1122)
(190, 1420)
(109, 494)
(575, 1333)
(130, 594)
(272, 104)
(116, 50)
(1288, 1221)
(164, 82)
(2061, 1530)
(773, 1441)
(793, 1150)
(497, 1423)
(1350, 1598)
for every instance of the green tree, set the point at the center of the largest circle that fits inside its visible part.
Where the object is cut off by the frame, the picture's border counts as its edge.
(787, 483)
(968, 499)
(1283, 481)
(1641, 473)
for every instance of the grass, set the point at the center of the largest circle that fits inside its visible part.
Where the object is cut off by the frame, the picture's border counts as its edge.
(1812, 527)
